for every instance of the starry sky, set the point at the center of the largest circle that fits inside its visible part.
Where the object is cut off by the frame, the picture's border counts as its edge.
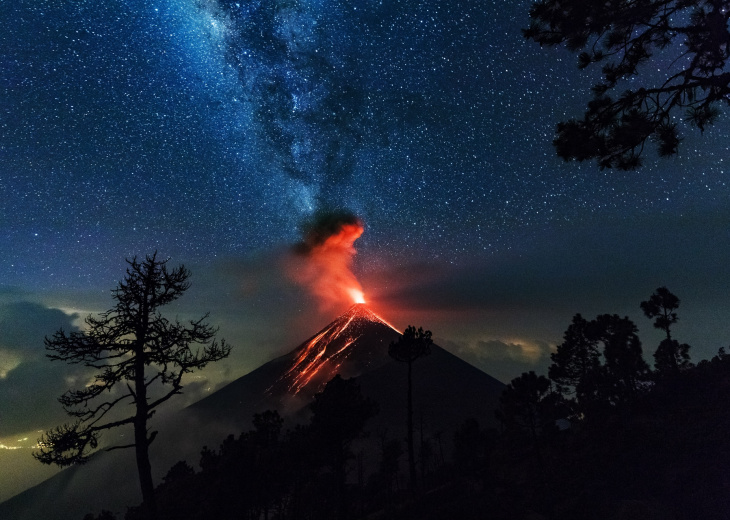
(210, 130)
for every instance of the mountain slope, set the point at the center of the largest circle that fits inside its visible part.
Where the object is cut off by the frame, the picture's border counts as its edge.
(446, 391)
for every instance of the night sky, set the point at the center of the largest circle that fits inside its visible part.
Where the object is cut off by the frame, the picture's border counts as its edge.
(211, 130)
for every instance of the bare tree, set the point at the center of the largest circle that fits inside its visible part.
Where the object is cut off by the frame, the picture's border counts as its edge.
(141, 358)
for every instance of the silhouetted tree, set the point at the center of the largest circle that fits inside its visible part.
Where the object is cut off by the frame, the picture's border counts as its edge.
(267, 427)
(693, 39)
(181, 470)
(575, 364)
(472, 446)
(269, 480)
(524, 406)
(386, 479)
(626, 369)
(670, 357)
(141, 357)
(661, 305)
(587, 383)
(339, 414)
(412, 345)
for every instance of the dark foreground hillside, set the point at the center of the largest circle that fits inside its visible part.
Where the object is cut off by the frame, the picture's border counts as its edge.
(664, 457)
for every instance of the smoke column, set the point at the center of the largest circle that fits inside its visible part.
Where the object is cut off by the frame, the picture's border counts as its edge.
(322, 261)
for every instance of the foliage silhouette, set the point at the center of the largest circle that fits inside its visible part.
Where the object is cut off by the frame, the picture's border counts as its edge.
(412, 345)
(661, 305)
(390, 453)
(599, 364)
(575, 364)
(626, 369)
(472, 447)
(688, 37)
(103, 515)
(528, 405)
(141, 358)
(267, 473)
(339, 414)
(658, 451)
(670, 357)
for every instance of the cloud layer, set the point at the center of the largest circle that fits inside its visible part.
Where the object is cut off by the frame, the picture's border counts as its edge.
(28, 380)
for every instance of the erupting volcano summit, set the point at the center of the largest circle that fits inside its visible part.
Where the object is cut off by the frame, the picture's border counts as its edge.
(354, 342)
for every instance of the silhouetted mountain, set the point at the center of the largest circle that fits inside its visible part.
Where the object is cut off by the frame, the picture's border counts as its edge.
(446, 391)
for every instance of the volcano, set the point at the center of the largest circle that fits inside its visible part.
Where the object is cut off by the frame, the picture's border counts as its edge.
(446, 391)
(352, 344)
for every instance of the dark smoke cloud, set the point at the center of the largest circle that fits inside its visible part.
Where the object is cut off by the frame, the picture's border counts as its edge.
(323, 225)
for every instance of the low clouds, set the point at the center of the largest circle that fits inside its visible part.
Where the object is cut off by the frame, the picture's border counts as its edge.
(503, 359)
(528, 352)
(9, 360)
(29, 382)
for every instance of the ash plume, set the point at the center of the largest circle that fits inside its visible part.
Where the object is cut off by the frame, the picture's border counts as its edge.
(322, 261)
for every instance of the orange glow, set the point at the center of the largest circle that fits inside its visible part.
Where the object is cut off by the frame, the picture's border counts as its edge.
(356, 295)
(325, 268)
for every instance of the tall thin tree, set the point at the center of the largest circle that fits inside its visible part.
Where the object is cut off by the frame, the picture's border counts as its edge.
(412, 345)
(141, 358)
(670, 357)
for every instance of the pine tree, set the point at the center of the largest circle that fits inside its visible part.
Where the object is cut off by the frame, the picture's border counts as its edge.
(627, 37)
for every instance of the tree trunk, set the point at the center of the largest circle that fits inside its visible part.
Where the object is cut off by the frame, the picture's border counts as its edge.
(341, 475)
(144, 469)
(141, 444)
(411, 455)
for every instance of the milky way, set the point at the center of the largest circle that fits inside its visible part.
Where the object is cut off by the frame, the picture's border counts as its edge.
(211, 128)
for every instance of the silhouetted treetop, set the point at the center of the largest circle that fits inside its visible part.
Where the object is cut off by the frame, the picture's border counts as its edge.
(671, 356)
(413, 344)
(622, 353)
(599, 364)
(339, 414)
(520, 402)
(661, 305)
(693, 40)
(340, 411)
(575, 359)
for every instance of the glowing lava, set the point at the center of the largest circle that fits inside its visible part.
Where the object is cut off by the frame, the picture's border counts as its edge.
(318, 359)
